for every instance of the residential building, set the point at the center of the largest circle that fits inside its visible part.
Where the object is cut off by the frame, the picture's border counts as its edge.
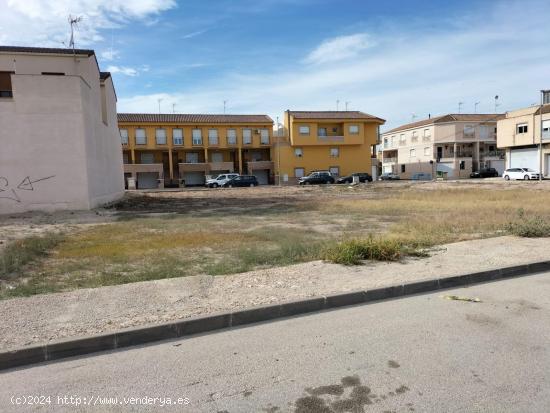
(342, 142)
(184, 149)
(59, 131)
(519, 134)
(451, 145)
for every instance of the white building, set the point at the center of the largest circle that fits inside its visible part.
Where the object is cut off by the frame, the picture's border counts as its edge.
(59, 140)
(454, 144)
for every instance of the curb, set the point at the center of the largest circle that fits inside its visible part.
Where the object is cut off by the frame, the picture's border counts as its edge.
(195, 325)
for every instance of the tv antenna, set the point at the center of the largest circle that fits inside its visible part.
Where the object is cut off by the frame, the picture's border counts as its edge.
(73, 21)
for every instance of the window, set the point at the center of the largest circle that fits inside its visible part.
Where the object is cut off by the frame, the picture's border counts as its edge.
(392, 140)
(197, 136)
(141, 137)
(546, 129)
(469, 130)
(177, 136)
(217, 157)
(402, 139)
(412, 153)
(247, 136)
(322, 132)
(5, 85)
(103, 95)
(264, 136)
(427, 133)
(427, 151)
(160, 136)
(415, 136)
(304, 130)
(124, 136)
(334, 152)
(298, 152)
(231, 137)
(484, 132)
(334, 170)
(53, 74)
(299, 172)
(353, 129)
(212, 136)
(385, 142)
(191, 157)
(125, 159)
(521, 128)
(147, 158)
(403, 168)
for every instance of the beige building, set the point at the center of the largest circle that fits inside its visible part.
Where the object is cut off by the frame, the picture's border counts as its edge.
(59, 135)
(453, 145)
(519, 134)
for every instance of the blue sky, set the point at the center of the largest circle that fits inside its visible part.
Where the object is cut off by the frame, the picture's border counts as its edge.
(395, 59)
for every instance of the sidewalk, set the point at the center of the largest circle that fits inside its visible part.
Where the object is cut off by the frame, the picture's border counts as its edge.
(43, 318)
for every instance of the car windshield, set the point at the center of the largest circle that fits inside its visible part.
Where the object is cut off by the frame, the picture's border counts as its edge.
(529, 170)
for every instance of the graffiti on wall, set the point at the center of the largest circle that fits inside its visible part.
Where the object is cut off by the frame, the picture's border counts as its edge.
(12, 192)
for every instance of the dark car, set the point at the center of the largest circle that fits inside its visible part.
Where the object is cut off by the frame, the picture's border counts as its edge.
(485, 173)
(317, 178)
(363, 177)
(388, 176)
(241, 180)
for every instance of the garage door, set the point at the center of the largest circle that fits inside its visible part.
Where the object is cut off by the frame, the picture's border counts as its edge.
(193, 178)
(524, 158)
(262, 175)
(147, 180)
(498, 165)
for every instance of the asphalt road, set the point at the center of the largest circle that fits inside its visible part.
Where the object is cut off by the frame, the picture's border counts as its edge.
(422, 353)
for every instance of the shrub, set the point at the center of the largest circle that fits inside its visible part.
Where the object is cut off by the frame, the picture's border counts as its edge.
(353, 252)
(533, 227)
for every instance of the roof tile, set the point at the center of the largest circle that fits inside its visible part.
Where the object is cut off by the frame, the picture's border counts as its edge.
(191, 118)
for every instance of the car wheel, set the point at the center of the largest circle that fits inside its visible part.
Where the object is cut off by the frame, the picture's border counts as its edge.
(526, 178)
(230, 186)
(214, 185)
(252, 185)
(306, 183)
(506, 177)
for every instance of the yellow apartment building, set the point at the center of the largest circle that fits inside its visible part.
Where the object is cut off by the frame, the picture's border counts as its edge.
(342, 142)
(183, 149)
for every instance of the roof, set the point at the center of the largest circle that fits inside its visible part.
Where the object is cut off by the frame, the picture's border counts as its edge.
(45, 50)
(453, 117)
(191, 118)
(104, 75)
(329, 114)
(545, 109)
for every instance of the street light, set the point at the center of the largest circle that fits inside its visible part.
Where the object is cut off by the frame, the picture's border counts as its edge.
(544, 99)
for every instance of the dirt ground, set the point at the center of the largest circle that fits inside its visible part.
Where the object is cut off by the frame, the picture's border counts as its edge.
(47, 317)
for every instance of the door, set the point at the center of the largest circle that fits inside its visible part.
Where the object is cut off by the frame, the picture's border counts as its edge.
(524, 158)
(147, 180)
(262, 175)
(147, 158)
(194, 178)
(217, 157)
(192, 157)
(547, 165)
(439, 152)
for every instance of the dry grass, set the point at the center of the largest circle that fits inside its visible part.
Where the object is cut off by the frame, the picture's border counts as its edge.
(340, 225)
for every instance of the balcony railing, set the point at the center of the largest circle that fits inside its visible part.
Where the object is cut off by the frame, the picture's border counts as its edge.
(389, 160)
(495, 154)
(329, 138)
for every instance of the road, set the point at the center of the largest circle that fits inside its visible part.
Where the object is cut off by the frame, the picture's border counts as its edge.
(422, 353)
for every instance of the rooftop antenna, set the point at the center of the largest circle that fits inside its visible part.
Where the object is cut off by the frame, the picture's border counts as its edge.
(475, 106)
(337, 105)
(73, 21)
(224, 104)
(159, 100)
(496, 103)
(460, 106)
(174, 108)
(413, 116)
(347, 103)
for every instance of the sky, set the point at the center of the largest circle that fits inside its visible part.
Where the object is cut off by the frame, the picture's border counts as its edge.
(399, 60)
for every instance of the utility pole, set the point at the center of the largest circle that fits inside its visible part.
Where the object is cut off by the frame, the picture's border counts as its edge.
(475, 107)
(278, 151)
(159, 100)
(544, 98)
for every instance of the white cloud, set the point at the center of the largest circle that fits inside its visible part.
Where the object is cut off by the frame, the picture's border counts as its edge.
(45, 21)
(340, 48)
(193, 34)
(127, 71)
(109, 55)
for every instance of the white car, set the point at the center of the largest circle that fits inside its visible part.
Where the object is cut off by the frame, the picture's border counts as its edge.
(220, 180)
(520, 173)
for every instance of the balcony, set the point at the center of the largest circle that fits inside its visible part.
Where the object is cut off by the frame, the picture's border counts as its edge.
(193, 167)
(134, 168)
(389, 160)
(329, 138)
(497, 155)
(221, 166)
(257, 165)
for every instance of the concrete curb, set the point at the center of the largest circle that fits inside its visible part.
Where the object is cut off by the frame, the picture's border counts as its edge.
(195, 325)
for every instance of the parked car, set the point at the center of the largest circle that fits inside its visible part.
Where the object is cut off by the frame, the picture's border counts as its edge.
(363, 177)
(485, 173)
(318, 177)
(421, 176)
(388, 176)
(220, 180)
(241, 180)
(520, 173)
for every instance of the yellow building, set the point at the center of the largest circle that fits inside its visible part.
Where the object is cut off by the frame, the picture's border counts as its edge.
(181, 149)
(342, 142)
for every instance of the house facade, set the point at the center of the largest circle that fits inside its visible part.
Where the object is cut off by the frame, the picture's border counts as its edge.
(519, 135)
(339, 141)
(59, 135)
(453, 145)
(161, 150)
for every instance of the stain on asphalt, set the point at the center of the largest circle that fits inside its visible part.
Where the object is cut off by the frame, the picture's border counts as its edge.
(483, 319)
(271, 409)
(393, 364)
(349, 396)
(247, 393)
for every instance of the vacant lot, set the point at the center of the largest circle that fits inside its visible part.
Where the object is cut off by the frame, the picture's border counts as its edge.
(173, 234)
